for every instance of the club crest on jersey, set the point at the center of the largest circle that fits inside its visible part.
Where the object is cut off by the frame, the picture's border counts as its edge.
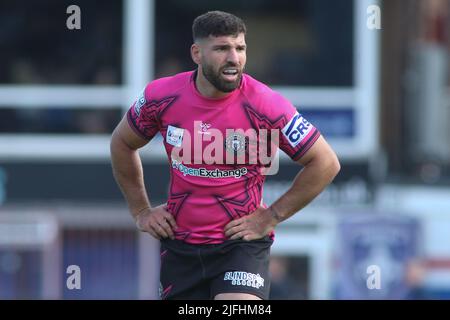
(174, 136)
(235, 143)
(139, 103)
(297, 129)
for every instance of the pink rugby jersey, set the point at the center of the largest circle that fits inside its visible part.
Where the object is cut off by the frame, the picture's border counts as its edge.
(213, 147)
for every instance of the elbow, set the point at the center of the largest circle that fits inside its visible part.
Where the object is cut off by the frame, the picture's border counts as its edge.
(335, 165)
(329, 165)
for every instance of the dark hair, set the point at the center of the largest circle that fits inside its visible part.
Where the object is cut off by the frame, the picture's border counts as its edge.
(217, 23)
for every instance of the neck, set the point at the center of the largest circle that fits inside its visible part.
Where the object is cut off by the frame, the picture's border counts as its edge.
(205, 87)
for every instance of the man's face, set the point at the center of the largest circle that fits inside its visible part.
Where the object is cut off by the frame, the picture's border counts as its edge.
(223, 60)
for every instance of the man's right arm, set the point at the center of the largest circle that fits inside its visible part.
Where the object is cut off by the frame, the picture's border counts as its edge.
(127, 166)
(128, 172)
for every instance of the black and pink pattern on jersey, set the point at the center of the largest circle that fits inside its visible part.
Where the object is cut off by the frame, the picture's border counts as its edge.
(250, 200)
(144, 116)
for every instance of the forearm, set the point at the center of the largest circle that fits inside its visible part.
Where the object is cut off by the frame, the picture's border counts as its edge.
(128, 172)
(307, 185)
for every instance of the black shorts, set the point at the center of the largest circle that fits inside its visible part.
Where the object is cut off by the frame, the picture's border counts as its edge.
(190, 272)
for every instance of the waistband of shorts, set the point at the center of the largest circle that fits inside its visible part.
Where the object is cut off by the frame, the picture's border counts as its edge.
(266, 239)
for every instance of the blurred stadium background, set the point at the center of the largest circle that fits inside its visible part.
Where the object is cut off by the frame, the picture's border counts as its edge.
(381, 97)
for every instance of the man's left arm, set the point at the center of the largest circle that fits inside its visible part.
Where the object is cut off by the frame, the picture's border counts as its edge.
(320, 166)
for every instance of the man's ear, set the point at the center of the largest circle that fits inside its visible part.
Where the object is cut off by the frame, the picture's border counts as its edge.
(196, 53)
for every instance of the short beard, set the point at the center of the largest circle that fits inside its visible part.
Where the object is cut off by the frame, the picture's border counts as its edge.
(217, 82)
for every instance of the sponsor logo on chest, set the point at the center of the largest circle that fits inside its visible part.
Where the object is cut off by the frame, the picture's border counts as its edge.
(174, 136)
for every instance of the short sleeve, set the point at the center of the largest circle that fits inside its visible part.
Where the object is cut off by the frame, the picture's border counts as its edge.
(142, 117)
(297, 134)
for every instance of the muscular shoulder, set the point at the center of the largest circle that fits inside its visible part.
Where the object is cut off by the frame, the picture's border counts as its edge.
(264, 99)
(167, 86)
